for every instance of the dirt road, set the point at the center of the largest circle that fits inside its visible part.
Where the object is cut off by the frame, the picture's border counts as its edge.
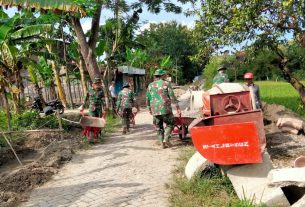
(128, 170)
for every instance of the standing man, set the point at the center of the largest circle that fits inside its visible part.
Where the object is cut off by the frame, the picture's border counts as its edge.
(159, 98)
(112, 93)
(254, 90)
(96, 98)
(126, 100)
(221, 76)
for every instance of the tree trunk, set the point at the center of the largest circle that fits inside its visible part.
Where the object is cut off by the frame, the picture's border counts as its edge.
(52, 90)
(61, 92)
(66, 69)
(39, 94)
(292, 80)
(86, 52)
(56, 71)
(7, 108)
(82, 75)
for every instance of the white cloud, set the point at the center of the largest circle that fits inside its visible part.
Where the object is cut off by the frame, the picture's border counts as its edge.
(145, 26)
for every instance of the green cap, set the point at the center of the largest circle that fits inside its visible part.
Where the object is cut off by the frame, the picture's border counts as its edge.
(221, 67)
(126, 85)
(97, 80)
(159, 72)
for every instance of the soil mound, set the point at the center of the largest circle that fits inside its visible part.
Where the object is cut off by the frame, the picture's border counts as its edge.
(283, 148)
(48, 153)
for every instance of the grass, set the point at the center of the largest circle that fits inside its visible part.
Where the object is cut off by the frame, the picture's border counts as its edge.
(281, 93)
(210, 190)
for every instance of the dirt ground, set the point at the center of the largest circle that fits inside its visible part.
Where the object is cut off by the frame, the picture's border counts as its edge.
(283, 148)
(44, 153)
(41, 154)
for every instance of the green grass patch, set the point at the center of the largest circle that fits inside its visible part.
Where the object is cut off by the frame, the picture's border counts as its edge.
(112, 124)
(209, 189)
(281, 93)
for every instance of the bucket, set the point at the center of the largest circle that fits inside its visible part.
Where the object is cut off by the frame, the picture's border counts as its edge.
(299, 162)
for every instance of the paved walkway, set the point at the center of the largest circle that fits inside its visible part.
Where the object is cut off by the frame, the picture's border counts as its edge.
(126, 170)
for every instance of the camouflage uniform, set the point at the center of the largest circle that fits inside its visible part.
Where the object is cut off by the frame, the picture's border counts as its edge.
(159, 98)
(96, 102)
(125, 102)
(220, 78)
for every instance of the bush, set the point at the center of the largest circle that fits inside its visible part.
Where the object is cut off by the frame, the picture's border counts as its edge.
(26, 120)
(30, 120)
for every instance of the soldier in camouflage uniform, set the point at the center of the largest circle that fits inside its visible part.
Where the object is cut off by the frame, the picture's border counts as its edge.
(126, 100)
(159, 98)
(221, 75)
(96, 98)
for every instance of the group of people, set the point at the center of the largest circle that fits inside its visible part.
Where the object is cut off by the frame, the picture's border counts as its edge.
(222, 77)
(159, 99)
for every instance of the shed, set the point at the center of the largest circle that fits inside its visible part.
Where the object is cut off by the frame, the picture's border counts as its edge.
(134, 76)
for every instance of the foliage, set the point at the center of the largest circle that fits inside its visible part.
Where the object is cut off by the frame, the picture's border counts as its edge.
(170, 39)
(44, 5)
(262, 24)
(30, 120)
(136, 57)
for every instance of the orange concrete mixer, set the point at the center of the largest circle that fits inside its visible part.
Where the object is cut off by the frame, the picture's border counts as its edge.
(231, 130)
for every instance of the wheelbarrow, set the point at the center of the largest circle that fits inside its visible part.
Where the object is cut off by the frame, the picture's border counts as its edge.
(92, 126)
(182, 122)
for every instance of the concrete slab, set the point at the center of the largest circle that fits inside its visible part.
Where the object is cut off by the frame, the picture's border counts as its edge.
(250, 182)
(195, 164)
(286, 177)
(300, 203)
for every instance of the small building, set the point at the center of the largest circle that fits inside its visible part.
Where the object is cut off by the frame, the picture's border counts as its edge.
(134, 76)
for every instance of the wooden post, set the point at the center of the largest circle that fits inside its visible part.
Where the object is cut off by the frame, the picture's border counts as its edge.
(60, 124)
(8, 142)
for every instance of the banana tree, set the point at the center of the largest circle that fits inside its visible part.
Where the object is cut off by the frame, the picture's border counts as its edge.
(13, 33)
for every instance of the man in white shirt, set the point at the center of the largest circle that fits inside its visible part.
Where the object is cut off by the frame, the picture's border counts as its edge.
(113, 94)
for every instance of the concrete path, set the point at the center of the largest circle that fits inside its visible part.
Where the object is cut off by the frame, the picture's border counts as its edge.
(128, 170)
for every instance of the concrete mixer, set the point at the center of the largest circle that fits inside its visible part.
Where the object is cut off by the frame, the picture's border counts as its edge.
(231, 130)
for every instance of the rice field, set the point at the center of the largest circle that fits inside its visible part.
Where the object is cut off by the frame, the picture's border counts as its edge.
(281, 93)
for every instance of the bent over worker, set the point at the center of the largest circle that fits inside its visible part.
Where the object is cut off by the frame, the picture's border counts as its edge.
(126, 100)
(159, 98)
(96, 98)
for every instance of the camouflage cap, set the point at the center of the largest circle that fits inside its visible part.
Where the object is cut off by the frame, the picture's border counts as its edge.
(97, 80)
(126, 85)
(221, 67)
(159, 72)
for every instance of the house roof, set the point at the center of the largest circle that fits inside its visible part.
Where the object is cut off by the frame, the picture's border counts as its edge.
(131, 70)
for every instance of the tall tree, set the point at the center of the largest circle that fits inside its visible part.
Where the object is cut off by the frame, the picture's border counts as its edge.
(262, 23)
(93, 9)
(174, 40)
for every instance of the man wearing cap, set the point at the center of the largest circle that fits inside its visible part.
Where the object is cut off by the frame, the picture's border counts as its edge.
(159, 98)
(96, 98)
(221, 75)
(254, 90)
(126, 100)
